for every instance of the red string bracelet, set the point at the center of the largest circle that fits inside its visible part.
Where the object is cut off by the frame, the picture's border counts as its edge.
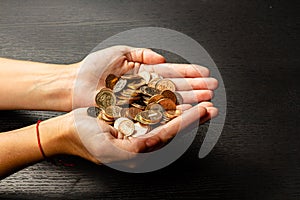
(38, 139)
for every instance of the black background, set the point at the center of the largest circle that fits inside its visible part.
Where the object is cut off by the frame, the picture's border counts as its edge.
(256, 48)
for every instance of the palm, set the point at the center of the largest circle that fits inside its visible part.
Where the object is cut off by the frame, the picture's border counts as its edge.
(96, 67)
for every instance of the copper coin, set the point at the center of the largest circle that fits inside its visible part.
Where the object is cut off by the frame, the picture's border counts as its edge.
(170, 95)
(155, 98)
(132, 112)
(165, 84)
(167, 104)
(111, 80)
(113, 112)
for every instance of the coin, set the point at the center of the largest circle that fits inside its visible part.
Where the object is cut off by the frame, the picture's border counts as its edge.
(124, 112)
(93, 111)
(120, 85)
(104, 118)
(136, 84)
(172, 113)
(153, 82)
(132, 112)
(129, 92)
(128, 98)
(179, 98)
(111, 80)
(149, 117)
(146, 98)
(155, 98)
(149, 91)
(138, 106)
(113, 112)
(165, 84)
(170, 95)
(140, 129)
(156, 107)
(126, 127)
(155, 75)
(105, 98)
(167, 104)
(131, 76)
(123, 102)
(118, 121)
(145, 75)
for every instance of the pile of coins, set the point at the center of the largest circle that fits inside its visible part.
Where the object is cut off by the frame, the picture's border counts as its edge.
(134, 104)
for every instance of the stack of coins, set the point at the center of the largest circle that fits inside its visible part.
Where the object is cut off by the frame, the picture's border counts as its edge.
(134, 104)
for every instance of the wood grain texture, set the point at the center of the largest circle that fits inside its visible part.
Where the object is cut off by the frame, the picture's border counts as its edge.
(255, 45)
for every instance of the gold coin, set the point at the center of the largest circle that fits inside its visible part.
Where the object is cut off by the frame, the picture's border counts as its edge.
(113, 112)
(126, 127)
(145, 75)
(142, 107)
(146, 98)
(131, 76)
(105, 98)
(165, 84)
(111, 80)
(104, 118)
(155, 98)
(155, 107)
(172, 113)
(170, 95)
(141, 120)
(167, 104)
(149, 117)
(120, 85)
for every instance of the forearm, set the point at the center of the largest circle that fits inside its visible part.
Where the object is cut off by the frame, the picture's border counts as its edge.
(33, 85)
(19, 148)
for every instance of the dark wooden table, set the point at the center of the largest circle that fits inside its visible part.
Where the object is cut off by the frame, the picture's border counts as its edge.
(255, 44)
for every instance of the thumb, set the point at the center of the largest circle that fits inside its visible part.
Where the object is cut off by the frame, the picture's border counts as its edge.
(145, 56)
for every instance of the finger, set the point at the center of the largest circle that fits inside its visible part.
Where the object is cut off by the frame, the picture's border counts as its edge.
(143, 55)
(183, 107)
(195, 96)
(206, 104)
(211, 113)
(169, 130)
(172, 70)
(195, 83)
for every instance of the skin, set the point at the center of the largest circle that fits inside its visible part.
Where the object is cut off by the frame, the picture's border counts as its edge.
(72, 88)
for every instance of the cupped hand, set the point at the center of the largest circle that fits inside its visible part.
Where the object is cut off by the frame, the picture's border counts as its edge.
(116, 60)
(192, 81)
(104, 144)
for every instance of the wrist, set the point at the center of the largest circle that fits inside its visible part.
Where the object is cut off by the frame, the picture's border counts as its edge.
(59, 136)
(35, 85)
(55, 87)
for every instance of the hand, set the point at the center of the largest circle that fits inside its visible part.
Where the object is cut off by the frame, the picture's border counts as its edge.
(94, 69)
(101, 143)
(192, 81)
